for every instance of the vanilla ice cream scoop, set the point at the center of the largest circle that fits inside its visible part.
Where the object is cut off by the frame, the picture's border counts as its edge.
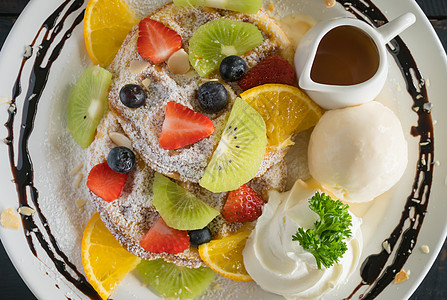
(358, 153)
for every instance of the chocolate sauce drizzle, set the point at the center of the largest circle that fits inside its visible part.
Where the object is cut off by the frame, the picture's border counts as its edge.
(22, 170)
(375, 271)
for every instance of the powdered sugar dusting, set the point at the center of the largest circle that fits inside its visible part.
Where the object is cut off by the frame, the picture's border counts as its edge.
(144, 8)
(130, 216)
(58, 204)
(143, 125)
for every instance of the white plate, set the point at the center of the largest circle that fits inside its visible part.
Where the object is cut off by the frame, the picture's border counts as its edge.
(52, 153)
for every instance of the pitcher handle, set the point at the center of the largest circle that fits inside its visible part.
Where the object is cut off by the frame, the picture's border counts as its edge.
(393, 28)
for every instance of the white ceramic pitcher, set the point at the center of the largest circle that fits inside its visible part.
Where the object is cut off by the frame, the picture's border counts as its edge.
(330, 96)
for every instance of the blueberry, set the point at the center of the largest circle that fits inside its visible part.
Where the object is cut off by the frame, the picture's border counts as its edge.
(121, 159)
(232, 68)
(212, 96)
(132, 95)
(199, 236)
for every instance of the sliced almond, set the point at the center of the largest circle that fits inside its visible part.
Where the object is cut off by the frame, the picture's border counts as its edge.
(120, 139)
(76, 169)
(178, 62)
(146, 83)
(28, 51)
(80, 203)
(401, 276)
(9, 219)
(138, 66)
(78, 180)
(26, 211)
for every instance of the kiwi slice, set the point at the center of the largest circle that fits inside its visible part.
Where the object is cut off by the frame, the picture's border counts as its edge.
(87, 104)
(170, 280)
(179, 208)
(215, 40)
(243, 6)
(240, 151)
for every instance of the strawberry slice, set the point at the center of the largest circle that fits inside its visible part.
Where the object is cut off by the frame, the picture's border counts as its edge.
(106, 183)
(162, 238)
(273, 69)
(157, 42)
(183, 126)
(242, 205)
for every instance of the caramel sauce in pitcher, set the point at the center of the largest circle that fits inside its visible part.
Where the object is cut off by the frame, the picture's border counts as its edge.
(345, 56)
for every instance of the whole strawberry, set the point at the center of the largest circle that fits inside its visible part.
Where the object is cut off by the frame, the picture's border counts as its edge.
(273, 69)
(242, 205)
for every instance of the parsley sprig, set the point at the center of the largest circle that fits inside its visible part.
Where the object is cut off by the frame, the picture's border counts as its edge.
(327, 241)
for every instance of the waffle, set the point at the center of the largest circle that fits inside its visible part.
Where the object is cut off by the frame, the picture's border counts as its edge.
(143, 125)
(131, 215)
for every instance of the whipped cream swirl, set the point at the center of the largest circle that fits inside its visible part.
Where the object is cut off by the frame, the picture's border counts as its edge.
(280, 265)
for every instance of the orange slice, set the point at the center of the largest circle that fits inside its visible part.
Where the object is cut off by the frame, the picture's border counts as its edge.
(106, 24)
(224, 256)
(105, 262)
(286, 111)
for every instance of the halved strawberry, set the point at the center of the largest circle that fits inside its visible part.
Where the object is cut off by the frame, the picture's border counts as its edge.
(106, 183)
(242, 205)
(157, 42)
(183, 126)
(162, 238)
(273, 69)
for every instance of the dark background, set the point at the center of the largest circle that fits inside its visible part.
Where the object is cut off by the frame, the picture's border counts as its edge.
(434, 285)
